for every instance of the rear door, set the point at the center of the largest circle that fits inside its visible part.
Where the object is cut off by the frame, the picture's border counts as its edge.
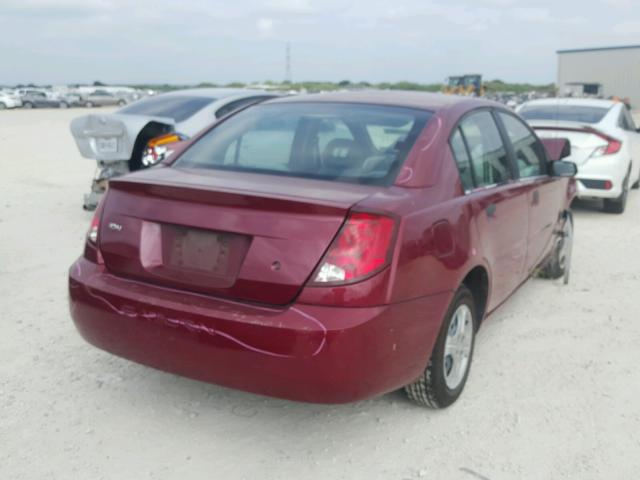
(544, 193)
(500, 204)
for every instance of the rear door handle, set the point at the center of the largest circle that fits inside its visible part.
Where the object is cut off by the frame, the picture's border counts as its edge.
(491, 210)
(536, 198)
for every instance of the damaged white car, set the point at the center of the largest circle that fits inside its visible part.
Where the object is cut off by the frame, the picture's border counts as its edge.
(138, 135)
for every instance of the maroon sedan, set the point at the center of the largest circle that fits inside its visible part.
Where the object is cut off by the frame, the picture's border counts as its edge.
(326, 248)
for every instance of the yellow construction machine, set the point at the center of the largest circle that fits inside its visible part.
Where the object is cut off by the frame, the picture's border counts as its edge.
(467, 85)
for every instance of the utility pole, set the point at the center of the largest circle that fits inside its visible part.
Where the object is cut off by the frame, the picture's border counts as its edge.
(287, 74)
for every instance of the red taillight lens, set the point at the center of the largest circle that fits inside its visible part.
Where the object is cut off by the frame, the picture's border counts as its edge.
(613, 146)
(92, 233)
(362, 248)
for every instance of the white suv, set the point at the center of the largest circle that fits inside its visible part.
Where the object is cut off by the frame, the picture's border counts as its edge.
(605, 144)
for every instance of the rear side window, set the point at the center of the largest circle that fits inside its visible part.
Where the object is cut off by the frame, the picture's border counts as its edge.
(176, 107)
(564, 113)
(489, 159)
(233, 106)
(329, 141)
(529, 152)
(462, 159)
(626, 120)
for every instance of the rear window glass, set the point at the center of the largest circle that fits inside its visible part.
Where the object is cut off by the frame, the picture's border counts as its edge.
(179, 108)
(328, 141)
(564, 113)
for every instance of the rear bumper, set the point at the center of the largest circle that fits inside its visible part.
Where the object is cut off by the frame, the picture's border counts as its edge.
(301, 352)
(600, 170)
(594, 188)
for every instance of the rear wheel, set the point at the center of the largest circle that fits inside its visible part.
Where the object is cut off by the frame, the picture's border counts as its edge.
(88, 104)
(446, 374)
(558, 264)
(122, 103)
(27, 105)
(64, 105)
(2, 106)
(619, 204)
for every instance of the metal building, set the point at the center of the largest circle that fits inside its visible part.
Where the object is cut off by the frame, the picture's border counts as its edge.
(601, 72)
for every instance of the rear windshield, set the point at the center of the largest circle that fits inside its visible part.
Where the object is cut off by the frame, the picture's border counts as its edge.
(179, 108)
(329, 141)
(564, 113)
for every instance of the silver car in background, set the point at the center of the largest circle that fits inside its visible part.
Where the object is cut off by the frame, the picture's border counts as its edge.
(118, 141)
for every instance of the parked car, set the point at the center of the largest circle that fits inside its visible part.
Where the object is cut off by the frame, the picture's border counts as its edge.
(38, 99)
(326, 248)
(9, 100)
(605, 144)
(67, 100)
(118, 141)
(102, 98)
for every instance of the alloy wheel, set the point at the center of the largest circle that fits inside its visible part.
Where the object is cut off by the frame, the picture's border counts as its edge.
(457, 349)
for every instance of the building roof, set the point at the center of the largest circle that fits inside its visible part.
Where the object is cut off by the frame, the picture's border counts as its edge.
(598, 49)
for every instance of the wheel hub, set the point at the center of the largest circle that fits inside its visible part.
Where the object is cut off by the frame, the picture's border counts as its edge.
(457, 349)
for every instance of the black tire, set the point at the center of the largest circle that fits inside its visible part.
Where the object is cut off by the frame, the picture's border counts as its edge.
(27, 105)
(64, 105)
(2, 106)
(430, 389)
(122, 103)
(560, 259)
(88, 104)
(619, 204)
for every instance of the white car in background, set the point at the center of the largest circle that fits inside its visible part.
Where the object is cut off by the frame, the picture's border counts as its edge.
(9, 100)
(605, 144)
(140, 134)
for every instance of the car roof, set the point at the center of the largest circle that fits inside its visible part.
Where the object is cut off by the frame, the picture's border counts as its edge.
(578, 102)
(217, 93)
(398, 98)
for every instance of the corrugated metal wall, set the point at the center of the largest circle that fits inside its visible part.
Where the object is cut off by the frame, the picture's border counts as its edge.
(618, 70)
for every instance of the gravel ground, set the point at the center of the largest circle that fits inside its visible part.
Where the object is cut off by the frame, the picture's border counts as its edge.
(553, 391)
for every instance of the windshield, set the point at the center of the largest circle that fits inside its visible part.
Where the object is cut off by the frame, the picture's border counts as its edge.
(564, 113)
(176, 107)
(330, 141)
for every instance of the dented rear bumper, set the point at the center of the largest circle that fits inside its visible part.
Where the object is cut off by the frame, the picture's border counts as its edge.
(300, 352)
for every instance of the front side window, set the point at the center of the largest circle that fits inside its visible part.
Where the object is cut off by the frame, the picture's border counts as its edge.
(489, 158)
(329, 141)
(529, 152)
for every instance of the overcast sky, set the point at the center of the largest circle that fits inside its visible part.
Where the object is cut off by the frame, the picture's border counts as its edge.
(189, 41)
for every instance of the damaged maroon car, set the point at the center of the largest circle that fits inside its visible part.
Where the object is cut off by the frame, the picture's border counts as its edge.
(327, 248)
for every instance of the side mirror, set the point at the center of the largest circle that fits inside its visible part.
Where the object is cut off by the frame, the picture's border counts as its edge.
(557, 148)
(563, 169)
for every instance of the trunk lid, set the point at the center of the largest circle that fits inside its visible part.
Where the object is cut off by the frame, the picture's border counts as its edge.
(584, 141)
(246, 236)
(111, 137)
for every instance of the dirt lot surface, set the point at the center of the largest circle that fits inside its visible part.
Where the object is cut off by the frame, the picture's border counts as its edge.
(553, 393)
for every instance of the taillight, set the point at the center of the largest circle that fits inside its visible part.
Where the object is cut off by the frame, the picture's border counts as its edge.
(613, 146)
(157, 148)
(362, 248)
(92, 233)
